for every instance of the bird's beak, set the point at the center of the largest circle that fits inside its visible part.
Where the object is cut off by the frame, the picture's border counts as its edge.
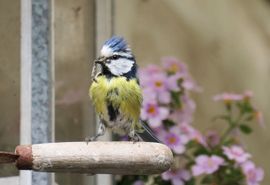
(100, 60)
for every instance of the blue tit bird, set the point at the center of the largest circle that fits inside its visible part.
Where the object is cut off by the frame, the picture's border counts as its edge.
(116, 93)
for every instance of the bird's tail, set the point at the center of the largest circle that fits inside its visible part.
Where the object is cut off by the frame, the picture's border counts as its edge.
(147, 134)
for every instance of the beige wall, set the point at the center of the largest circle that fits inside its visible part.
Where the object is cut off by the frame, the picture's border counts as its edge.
(225, 43)
(74, 52)
(9, 79)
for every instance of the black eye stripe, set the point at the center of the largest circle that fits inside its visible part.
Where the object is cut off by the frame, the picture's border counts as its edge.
(115, 57)
(120, 56)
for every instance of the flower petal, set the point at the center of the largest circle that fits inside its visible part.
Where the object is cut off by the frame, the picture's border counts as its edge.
(179, 148)
(177, 181)
(217, 160)
(163, 113)
(197, 170)
(185, 174)
(166, 175)
(201, 159)
(154, 122)
(164, 97)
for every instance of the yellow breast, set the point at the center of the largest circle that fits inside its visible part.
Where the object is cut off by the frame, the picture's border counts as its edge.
(118, 91)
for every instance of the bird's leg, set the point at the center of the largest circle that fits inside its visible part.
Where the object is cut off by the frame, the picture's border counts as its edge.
(134, 136)
(101, 132)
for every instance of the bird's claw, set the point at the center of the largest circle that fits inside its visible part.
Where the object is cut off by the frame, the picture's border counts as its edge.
(134, 137)
(90, 139)
(134, 141)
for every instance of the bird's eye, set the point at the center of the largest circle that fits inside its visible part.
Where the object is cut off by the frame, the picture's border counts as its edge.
(115, 57)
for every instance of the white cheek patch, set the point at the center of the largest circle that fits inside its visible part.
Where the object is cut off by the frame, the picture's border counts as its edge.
(106, 51)
(120, 66)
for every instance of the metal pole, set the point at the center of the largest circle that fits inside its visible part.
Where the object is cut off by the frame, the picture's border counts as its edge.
(42, 81)
(37, 92)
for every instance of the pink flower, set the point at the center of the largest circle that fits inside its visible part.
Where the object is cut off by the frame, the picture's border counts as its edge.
(177, 177)
(212, 138)
(253, 175)
(179, 69)
(191, 85)
(174, 140)
(149, 95)
(150, 70)
(146, 74)
(185, 113)
(158, 82)
(154, 113)
(228, 97)
(197, 136)
(173, 65)
(206, 164)
(187, 129)
(236, 153)
(173, 82)
(154, 79)
(159, 85)
(163, 85)
(192, 133)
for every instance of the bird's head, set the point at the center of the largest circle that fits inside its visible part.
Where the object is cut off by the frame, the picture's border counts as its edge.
(116, 58)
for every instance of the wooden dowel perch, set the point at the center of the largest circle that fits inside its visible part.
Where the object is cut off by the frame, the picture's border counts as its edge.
(140, 158)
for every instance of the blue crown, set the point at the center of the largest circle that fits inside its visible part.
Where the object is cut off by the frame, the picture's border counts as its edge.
(117, 44)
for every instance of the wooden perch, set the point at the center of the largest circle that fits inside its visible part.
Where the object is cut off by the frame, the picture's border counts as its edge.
(140, 158)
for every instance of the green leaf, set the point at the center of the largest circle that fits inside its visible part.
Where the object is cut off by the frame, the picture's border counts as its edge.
(159, 180)
(168, 123)
(190, 182)
(248, 107)
(191, 144)
(245, 129)
(207, 179)
(217, 151)
(245, 107)
(231, 175)
(176, 101)
(229, 141)
(201, 150)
